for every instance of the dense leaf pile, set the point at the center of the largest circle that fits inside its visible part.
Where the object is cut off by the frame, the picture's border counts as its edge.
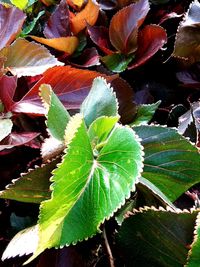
(99, 133)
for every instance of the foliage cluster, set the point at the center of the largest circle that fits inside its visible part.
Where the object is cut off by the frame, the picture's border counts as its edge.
(98, 160)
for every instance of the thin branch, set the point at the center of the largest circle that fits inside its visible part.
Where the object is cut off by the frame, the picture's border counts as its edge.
(111, 259)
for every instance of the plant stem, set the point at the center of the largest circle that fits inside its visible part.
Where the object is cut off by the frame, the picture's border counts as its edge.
(111, 259)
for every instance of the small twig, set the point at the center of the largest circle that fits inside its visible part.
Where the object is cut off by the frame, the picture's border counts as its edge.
(111, 259)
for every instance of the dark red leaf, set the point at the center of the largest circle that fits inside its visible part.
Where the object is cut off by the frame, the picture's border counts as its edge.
(12, 20)
(100, 36)
(19, 139)
(150, 40)
(124, 26)
(58, 24)
(8, 86)
(70, 84)
(88, 58)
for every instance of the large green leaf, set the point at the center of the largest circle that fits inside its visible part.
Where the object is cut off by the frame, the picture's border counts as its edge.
(101, 101)
(31, 187)
(57, 115)
(171, 163)
(156, 238)
(87, 188)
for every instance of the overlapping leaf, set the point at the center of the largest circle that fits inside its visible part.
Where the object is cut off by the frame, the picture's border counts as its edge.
(25, 58)
(100, 101)
(12, 20)
(57, 115)
(69, 84)
(5, 128)
(159, 237)
(89, 15)
(8, 86)
(32, 186)
(170, 160)
(93, 187)
(124, 26)
(187, 39)
(58, 24)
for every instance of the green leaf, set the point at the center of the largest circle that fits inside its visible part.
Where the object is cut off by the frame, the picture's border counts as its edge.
(147, 185)
(157, 237)
(87, 188)
(100, 129)
(28, 29)
(57, 116)
(171, 162)
(193, 255)
(101, 101)
(31, 187)
(117, 62)
(5, 128)
(21, 4)
(145, 113)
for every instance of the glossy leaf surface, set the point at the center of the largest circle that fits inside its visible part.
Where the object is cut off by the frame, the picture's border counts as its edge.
(101, 101)
(25, 58)
(124, 26)
(158, 237)
(12, 20)
(187, 38)
(57, 115)
(170, 159)
(94, 186)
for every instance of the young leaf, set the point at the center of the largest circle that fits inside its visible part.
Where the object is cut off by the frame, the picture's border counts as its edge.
(101, 101)
(193, 255)
(117, 62)
(145, 113)
(5, 128)
(124, 26)
(88, 188)
(21, 4)
(23, 243)
(25, 58)
(170, 160)
(150, 39)
(12, 20)
(187, 44)
(88, 15)
(159, 237)
(32, 186)
(57, 115)
(58, 24)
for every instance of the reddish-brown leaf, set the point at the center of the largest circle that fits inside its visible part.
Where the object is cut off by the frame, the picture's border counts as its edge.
(58, 24)
(187, 44)
(12, 20)
(19, 139)
(70, 84)
(8, 85)
(88, 15)
(150, 39)
(100, 36)
(88, 58)
(124, 26)
(65, 44)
